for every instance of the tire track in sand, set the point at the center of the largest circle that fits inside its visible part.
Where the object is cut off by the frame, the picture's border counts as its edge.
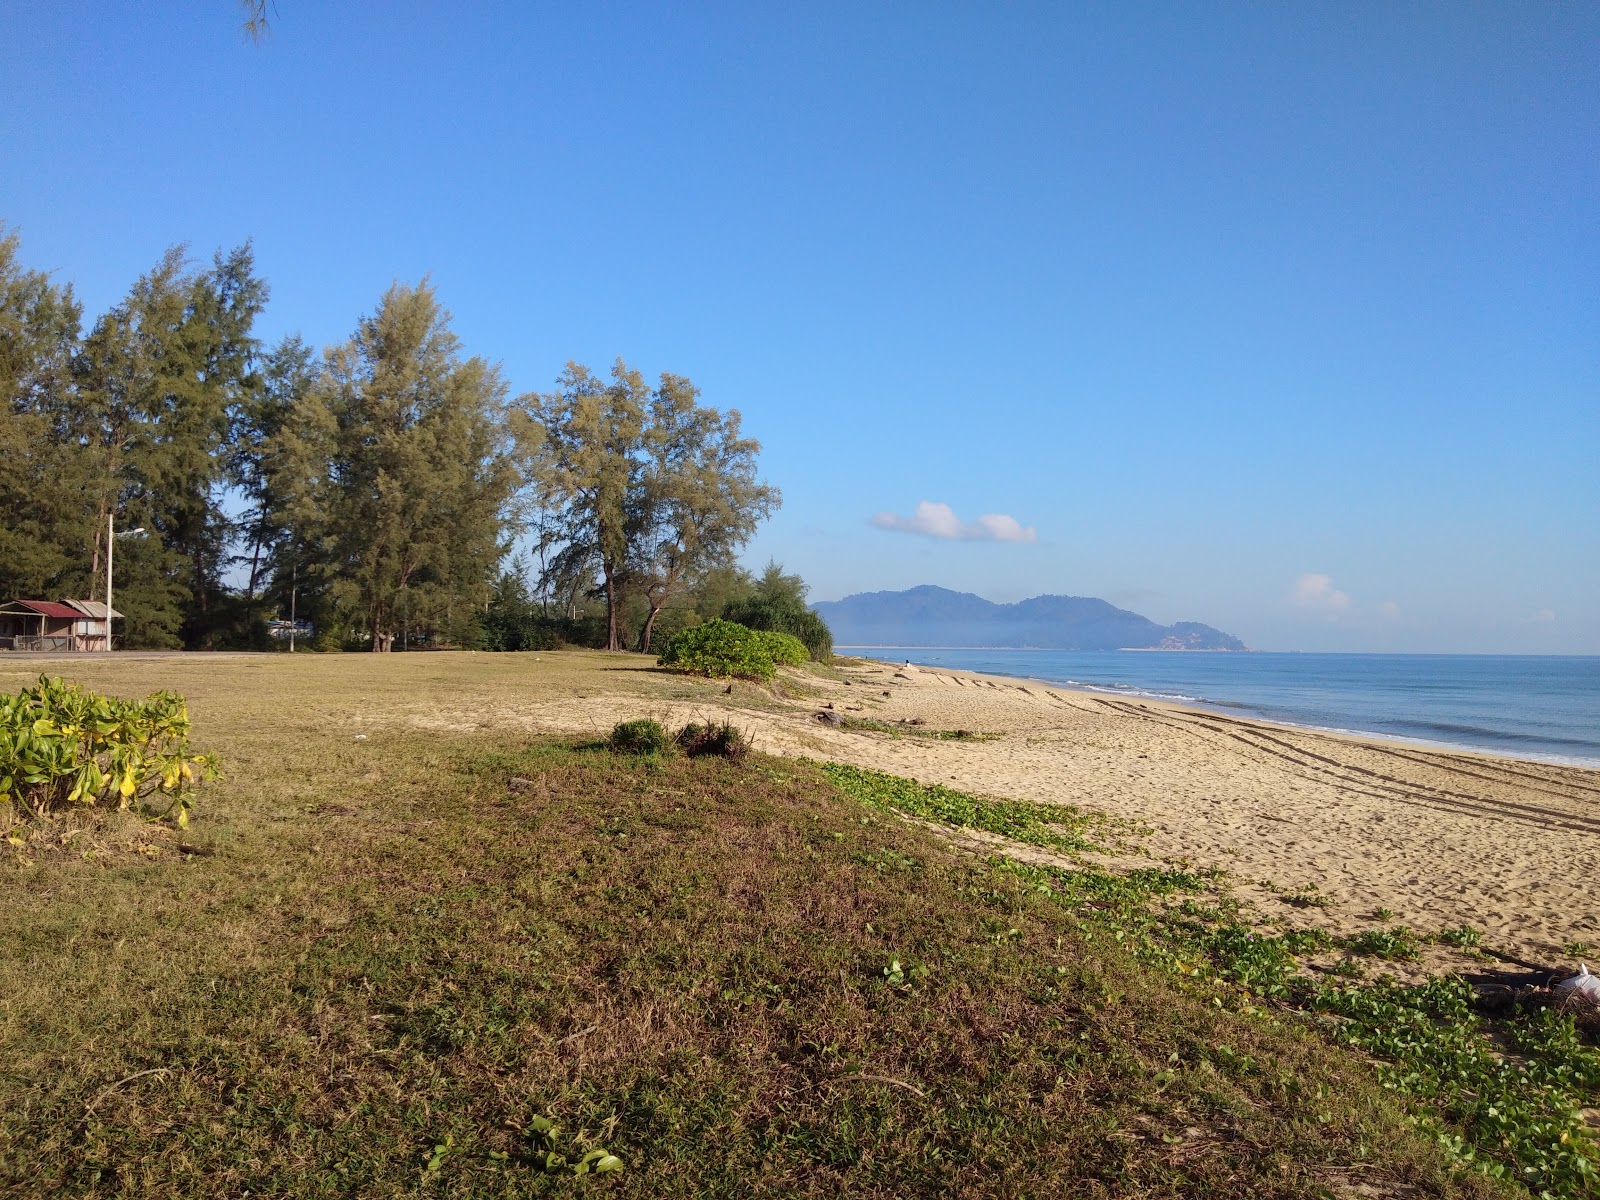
(1388, 787)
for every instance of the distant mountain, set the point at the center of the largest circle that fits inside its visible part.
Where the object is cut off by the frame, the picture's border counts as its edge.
(936, 616)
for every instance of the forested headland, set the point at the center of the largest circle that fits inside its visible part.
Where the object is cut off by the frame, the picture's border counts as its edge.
(375, 488)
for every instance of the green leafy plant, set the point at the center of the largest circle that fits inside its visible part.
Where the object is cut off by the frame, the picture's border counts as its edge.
(440, 1152)
(1395, 945)
(643, 736)
(719, 650)
(1466, 937)
(779, 604)
(784, 649)
(541, 1135)
(1348, 968)
(1520, 1119)
(63, 745)
(900, 976)
(1055, 826)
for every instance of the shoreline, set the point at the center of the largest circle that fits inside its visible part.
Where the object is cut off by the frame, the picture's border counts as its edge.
(1332, 829)
(1240, 711)
(1313, 829)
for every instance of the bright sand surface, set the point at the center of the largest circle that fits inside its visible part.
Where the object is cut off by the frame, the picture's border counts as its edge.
(1439, 838)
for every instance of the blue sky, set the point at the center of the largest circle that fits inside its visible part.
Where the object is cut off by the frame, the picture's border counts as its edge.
(1282, 318)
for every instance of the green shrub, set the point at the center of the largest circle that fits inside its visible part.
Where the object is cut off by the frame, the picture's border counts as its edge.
(719, 650)
(639, 737)
(784, 648)
(782, 614)
(713, 741)
(61, 744)
(470, 634)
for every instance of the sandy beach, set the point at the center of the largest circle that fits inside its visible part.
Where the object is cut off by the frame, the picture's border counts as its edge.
(1439, 839)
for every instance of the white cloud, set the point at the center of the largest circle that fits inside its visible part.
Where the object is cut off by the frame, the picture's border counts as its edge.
(940, 521)
(1317, 591)
(1389, 610)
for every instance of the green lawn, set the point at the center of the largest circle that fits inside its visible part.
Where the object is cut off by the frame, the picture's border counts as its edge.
(378, 963)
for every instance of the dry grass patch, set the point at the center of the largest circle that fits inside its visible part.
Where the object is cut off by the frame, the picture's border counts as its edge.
(731, 976)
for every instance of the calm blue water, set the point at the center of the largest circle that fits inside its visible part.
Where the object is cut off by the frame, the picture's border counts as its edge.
(1532, 707)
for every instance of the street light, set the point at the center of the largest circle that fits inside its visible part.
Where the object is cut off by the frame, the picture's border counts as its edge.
(111, 537)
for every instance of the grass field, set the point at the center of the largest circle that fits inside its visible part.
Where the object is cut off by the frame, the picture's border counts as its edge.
(393, 942)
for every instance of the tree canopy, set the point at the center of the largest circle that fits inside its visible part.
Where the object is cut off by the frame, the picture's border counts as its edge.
(777, 604)
(647, 484)
(375, 487)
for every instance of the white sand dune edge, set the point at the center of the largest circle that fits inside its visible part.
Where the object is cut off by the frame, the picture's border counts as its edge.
(1438, 838)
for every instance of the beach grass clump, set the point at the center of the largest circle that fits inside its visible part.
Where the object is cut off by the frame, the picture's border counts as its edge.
(1309, 896)
(720, 650)
(643, 737)
(906, 729)
(713, 740)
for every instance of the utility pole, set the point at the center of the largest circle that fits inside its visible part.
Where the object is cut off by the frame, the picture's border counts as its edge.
(294, 586)
(110, 537)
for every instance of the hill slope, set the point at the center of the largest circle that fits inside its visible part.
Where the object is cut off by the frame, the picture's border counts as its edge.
(936, 616)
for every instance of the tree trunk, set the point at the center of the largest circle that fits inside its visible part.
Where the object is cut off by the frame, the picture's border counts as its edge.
(649, 629)
(96, 580)
(613, 642)
(255, 570)
(250, 590)
(207, 634)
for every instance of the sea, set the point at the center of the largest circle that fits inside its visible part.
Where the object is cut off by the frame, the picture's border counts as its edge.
(1527, 706)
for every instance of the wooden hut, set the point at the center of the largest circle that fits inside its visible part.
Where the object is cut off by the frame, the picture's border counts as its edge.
(52, 625)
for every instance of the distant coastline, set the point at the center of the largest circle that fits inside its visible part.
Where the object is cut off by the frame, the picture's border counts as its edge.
(1117, 650)
(1182, 650)
(931, 617)
(1545, 709)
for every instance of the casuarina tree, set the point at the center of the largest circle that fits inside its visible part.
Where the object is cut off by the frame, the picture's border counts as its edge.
(647, 484)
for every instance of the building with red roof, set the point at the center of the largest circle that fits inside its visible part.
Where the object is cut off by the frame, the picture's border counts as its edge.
(54, 625)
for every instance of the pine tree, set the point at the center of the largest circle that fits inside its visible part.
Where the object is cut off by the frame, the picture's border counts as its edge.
(278, 464)
(419, 480)
(44, 517)
(647, 483)
(583, 451)
(701, 498)
(158, 383)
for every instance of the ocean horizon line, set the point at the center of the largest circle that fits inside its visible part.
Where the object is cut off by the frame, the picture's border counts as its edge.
(1182, 650)
(1542, 708)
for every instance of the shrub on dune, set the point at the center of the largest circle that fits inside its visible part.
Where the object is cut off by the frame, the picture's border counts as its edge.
(720, 650)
